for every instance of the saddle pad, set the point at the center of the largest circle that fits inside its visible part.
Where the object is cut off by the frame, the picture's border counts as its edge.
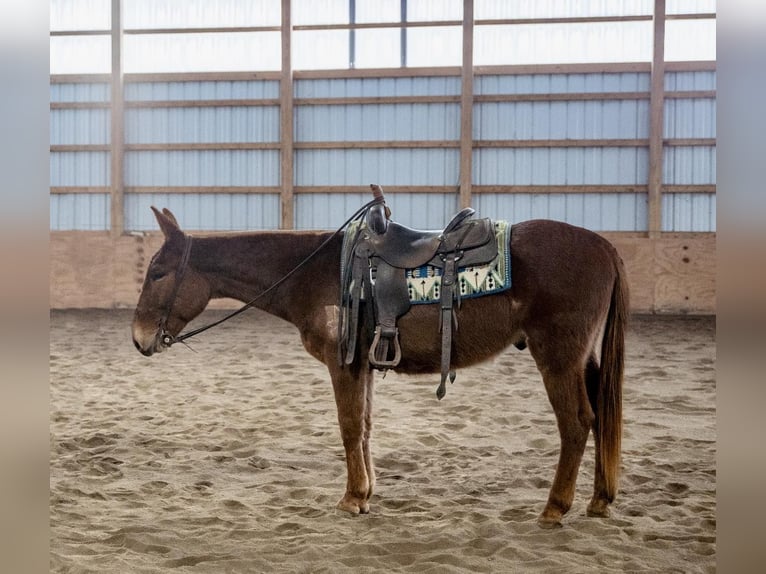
(424, 283)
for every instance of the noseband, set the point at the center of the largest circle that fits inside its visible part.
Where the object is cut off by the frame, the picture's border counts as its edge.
(166, 339)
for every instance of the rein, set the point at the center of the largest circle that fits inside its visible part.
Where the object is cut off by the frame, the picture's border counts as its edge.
(167, 339)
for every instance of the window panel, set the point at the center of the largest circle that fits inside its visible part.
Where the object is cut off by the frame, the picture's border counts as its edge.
(378, 11)
(378, 48)
(425, 10)
(437, 46)
(690, 40)
(200, 13)
(320, 49)
(80, 54)
(494, 9)
(242, 51)
(563, 43)
(80, 14)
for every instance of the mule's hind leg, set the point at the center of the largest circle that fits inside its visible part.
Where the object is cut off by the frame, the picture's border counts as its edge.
(353, 390)
(567, 394)
(599, 504)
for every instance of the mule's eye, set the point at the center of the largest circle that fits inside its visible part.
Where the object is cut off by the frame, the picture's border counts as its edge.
(157, 274)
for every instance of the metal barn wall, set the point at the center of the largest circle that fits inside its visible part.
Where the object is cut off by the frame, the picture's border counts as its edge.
(234, 116)
(161, 114)
(72, 167)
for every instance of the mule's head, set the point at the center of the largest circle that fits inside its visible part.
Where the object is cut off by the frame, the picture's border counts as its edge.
(173, 293)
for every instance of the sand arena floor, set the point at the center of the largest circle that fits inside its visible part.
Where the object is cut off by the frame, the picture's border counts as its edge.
(229, 459)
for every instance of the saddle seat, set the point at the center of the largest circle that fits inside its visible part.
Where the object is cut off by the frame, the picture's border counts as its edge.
(375, 271)
(407, 248)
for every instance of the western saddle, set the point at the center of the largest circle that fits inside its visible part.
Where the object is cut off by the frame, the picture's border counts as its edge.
(374, 268)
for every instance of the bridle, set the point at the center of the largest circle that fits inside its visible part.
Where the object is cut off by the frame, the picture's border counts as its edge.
(167, 339)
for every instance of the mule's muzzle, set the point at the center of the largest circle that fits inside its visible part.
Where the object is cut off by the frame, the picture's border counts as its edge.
(145, 351)
(147, 343)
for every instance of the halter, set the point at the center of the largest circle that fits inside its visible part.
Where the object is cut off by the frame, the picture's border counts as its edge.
(166, 339)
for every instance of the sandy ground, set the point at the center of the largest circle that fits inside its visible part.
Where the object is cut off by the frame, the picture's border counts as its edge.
(229, 459)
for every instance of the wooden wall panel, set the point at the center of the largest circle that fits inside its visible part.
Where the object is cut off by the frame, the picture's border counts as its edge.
(685, 273)
(81, 269)
(670, 274)
(638, 256)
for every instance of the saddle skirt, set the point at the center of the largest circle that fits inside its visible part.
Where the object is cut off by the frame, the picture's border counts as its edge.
(392, 270)
(424, 281)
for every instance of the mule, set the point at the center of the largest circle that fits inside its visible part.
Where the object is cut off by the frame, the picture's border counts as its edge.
(568, 304)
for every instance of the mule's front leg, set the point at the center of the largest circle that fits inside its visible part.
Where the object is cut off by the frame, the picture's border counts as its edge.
(353, 398)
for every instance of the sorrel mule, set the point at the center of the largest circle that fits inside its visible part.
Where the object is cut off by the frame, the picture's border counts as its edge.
(568, 303)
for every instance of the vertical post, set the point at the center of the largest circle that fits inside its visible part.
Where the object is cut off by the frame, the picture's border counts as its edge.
(287, 199)
(466, 107)
(352, 34)
(403, 34)
(656, 121)
(117, 148)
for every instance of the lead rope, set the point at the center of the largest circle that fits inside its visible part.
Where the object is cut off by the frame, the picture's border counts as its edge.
(167, 339)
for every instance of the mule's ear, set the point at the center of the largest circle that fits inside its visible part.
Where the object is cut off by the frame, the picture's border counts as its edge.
(170, 216)
(168, 224)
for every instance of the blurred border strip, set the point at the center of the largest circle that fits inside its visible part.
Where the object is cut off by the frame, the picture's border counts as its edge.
(24, 325)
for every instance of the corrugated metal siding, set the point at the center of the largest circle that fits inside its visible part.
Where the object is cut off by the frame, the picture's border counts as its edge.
(378, 122)
(680, 81)
(80, 211)
(177, 168)
(689, 212)
(595, 211)
(95, 92)
(203, 90)
(562, 83)
(386, 167)
(79, 126)
(206, 168)
(202, 125)
(85, 169)
(689, 165)
(326, 210)
(205, 211)
(370, 87)
(690, 118)
(624, 119)
(420, 210)
(561, 166)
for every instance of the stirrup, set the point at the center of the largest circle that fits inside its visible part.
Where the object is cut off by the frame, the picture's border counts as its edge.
(384, 364)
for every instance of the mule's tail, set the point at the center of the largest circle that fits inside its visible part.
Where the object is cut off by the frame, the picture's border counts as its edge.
(609, 400)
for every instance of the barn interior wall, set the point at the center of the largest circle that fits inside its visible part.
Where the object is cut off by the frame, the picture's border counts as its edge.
(624, 146)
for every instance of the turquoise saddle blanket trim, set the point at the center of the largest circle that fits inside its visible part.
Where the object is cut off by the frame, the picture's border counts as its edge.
(424, 283)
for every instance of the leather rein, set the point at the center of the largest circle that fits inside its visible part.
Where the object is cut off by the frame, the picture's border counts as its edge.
(167, 339)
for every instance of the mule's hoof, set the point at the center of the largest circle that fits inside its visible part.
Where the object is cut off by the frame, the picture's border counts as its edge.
(598, 508)
(353, 505)
(549, 523)
(550, 517)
